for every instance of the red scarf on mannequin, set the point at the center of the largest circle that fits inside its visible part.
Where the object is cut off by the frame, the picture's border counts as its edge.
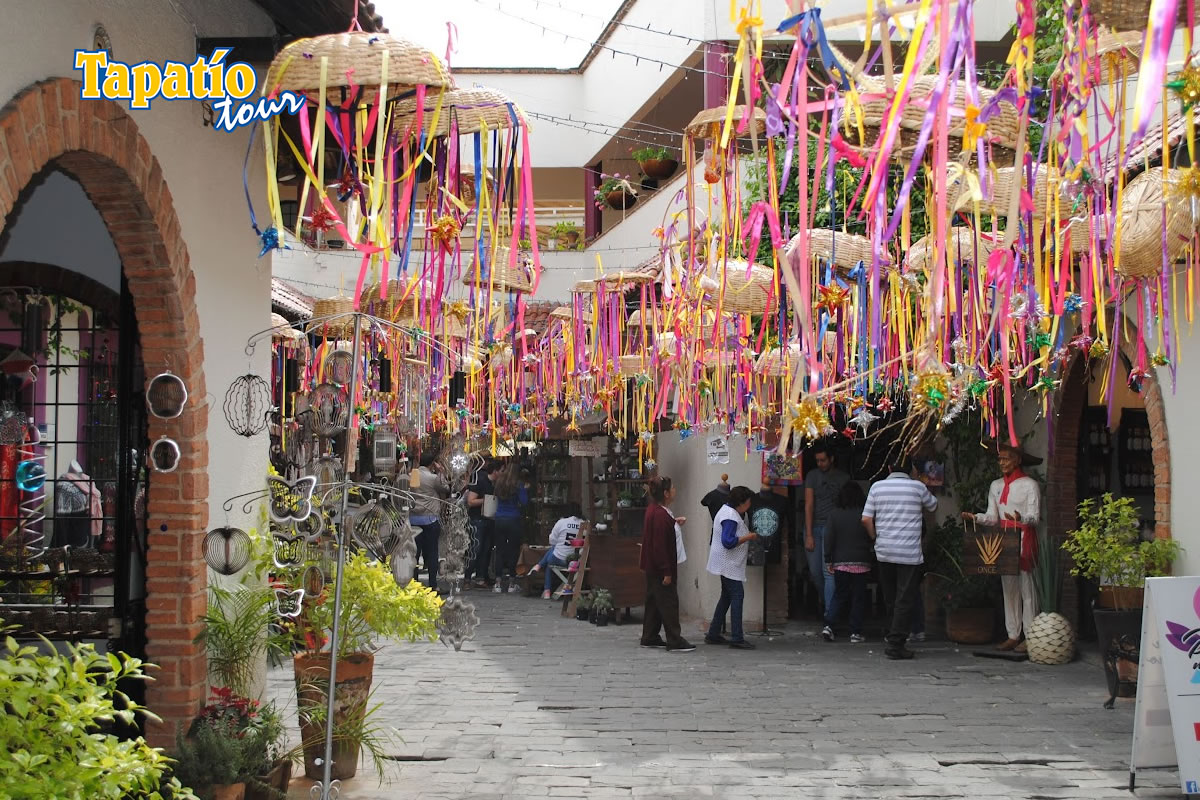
(1028, 532)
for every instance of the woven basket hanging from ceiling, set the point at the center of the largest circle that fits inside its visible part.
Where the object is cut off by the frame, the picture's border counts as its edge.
(1141, 223)
(503, 277)
(752, 294)
(843, 250)
(964, 245)
(474, 109)
(708, 123)
(1129, 15)
(333, 318)
(355, 56)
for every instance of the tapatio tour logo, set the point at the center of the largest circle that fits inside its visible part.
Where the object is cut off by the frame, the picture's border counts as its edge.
(1187, 640)
(204, 79)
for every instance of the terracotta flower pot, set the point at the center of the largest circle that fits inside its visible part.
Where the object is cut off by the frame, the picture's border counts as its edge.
(970, 625)
(264, 787)
(1121, 597)
(619, 199)
(350, 701)
(572, 237)
(659, 168)
(227, 791)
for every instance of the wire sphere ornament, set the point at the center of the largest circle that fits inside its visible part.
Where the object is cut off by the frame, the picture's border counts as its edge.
(458, 622)
(248, 405)
(330, 410)
(340, 366)
(227, 550)
(165, 455)
(166, 395)
(371, 528)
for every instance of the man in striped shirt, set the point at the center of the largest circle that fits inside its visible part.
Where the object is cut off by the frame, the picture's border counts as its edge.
(894, 518)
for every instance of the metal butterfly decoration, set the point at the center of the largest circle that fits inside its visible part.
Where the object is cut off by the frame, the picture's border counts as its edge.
(288, 602)
(289, 551)
(289, 501)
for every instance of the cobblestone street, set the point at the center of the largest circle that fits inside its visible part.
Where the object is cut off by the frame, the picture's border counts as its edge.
(542, 706)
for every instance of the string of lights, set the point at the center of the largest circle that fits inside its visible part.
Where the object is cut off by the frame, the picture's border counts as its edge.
(646, 29)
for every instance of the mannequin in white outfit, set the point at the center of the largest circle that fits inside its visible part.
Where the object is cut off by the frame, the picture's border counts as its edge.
(1014, 500)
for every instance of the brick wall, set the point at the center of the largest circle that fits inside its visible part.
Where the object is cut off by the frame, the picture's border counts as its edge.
(47, 126)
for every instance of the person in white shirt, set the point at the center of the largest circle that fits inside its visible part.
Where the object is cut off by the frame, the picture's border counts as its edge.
(564, 532)
(1015, 501)
(727, 559)
(894, 517)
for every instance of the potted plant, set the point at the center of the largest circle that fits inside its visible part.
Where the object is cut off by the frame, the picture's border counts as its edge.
(583, 606)
(601, 606)
(212, 760)
(625, 500)
(237, 634)
(616, 192)
(968, 600)
(1107, 547)
(373, 608)
(1051, 638)
(567, 231)
(655, 162)
(60, 704)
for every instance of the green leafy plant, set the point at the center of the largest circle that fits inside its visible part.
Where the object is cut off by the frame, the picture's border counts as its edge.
(1108, 547)
(1047, 575)
(237, 634)
(210, 756)
(944, 556)
(601, 601)
(373, 608)
(360, 731)
(57, 706)
(585, 601)
(651, 153)
(613, 183)
(564, 228)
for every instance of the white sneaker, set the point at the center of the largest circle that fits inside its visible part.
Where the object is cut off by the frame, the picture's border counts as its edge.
(917, 637)
(513, 588)
(857, 638)
(827, 633)
(497, 589)
(545, 595)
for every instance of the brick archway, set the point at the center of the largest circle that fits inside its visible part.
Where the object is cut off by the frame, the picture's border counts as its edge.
(98, 144)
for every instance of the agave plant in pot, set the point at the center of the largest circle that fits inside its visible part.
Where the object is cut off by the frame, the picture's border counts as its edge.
(372, 609)
(1108, 547)
(1051, 637)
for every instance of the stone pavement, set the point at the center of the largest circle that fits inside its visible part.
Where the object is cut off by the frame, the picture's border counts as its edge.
(542, 706)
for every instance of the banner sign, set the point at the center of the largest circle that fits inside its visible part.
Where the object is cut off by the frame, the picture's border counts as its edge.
(588, 448)
(991, 550)
(1166, 723)
(718, 450)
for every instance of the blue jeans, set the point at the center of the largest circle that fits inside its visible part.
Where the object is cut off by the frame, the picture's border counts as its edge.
(549, 561)
(849, 587)
(732, 594)
(816, 567)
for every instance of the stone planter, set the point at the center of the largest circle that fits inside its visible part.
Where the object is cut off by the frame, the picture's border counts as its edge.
(970, 625)
(351, 694)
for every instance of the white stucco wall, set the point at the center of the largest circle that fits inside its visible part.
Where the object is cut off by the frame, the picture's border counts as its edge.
(203, 169)
(1183, 435)
(685, 462)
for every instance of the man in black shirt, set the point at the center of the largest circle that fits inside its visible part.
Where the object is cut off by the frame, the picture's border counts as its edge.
(482, 543)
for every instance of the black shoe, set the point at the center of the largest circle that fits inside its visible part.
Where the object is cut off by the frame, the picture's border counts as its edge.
(715, 640)
(684, 646)
(654, 643)
(742, 645)
(899, 653)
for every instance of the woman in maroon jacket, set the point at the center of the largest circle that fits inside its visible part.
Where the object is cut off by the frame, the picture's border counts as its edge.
(659, 562)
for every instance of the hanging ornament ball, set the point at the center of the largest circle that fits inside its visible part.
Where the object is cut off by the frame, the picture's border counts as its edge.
(166, 395)
(227, 550)
(31, 476)
(248, 405)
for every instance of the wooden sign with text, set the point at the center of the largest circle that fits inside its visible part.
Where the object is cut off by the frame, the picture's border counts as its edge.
(991, 550)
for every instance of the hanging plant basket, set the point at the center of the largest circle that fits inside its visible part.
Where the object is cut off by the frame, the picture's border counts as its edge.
(1128, 15)
(619, 200)
(659, 168)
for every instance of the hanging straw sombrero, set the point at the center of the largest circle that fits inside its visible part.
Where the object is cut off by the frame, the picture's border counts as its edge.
(503, 277)
(1141, 254)
(843, 250)
(753, 294)
(474, 109)
(707, 124)
(964, 244)
(354, 58)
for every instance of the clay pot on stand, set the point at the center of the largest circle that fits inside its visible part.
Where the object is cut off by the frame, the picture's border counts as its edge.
(354, 673)
(970, 625)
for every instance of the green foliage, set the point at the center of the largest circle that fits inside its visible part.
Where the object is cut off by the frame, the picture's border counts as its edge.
(211, 756)
(585, 601)
(1048, 40)
(1047, 575)
(944, 555)
(564, 227)
(1107, 546)
(237, 635)
(56, 709)
(362, 729)
(601, 601)
(651, 153)
(614, 183)
(373, 607)
(974, 465)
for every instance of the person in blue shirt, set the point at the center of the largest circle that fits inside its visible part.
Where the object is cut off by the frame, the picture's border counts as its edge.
(727, 558)
(512, 495)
